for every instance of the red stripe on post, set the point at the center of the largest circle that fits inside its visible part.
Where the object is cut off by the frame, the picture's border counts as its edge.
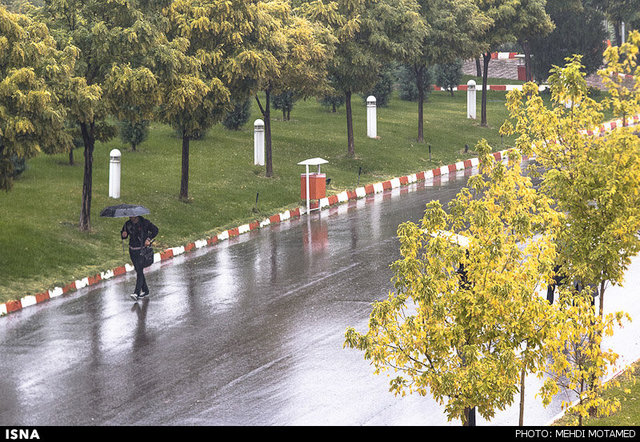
(368, 189)
(233, 232)
(404, 180)
(166, 254)
(386, 185)
(436, 171)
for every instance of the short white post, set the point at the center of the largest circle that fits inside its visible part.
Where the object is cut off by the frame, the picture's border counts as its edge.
(471, 99)
(114, 173)
(371, 117)
(258, 142)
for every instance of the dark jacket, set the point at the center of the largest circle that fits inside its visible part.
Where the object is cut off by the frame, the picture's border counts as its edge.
(139, 232)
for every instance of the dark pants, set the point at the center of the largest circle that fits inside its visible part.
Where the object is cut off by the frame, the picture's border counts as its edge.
(141, 282)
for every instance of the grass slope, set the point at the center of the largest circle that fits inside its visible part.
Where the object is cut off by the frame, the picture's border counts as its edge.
(42, 246)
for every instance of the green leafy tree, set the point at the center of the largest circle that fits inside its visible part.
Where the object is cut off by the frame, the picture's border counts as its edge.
(534, 22)
(407, 86)
(199, 67)
(511, 20)
(578, 30)
(134, 133)
(239, 116)
(33, 77)
(113, 39)
(464, 320)
(619, 12)
(286, 51)
(369, 34)
(382, 89)
(455, 29)
(332, 101)
(285, 102)
(449, 75)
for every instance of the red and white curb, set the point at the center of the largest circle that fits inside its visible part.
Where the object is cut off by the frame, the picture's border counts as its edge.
(342, 197)
(490, 87)
(505, 55)
(610, 125)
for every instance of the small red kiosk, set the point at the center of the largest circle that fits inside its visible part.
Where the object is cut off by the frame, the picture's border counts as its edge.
(312, 185)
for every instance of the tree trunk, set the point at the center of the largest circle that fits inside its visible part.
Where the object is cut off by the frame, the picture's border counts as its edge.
(71, 161)
(469, 417)
(483, 110)
(419, 83)
(350, 145)
(602, 284)
(521, 418)
(617, 26)
(184, 180)
(267, 134)
(478, 67)
(527, 60)
(89, 139)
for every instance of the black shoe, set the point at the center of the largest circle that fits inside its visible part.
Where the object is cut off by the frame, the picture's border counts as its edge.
(134, 296)
(143, 295)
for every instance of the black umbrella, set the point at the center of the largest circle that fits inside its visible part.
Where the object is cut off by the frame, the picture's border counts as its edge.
(124, 211)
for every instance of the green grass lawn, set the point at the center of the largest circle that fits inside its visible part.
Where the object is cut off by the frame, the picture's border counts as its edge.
(43, 248)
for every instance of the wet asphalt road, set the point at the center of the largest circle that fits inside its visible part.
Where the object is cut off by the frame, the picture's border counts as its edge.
(247, 332)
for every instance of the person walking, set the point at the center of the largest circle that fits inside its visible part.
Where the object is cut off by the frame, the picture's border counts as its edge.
(140, 232)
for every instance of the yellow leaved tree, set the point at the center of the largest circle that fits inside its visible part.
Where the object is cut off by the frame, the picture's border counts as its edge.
(465, 320)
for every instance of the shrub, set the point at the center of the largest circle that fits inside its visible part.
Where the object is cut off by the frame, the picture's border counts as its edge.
(134, 133)
(239, 116)
(407, 89)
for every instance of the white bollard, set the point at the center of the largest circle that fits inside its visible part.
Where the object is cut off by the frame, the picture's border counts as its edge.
(471, 99)
(258, 142)
(371, 117)
(114, 174)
